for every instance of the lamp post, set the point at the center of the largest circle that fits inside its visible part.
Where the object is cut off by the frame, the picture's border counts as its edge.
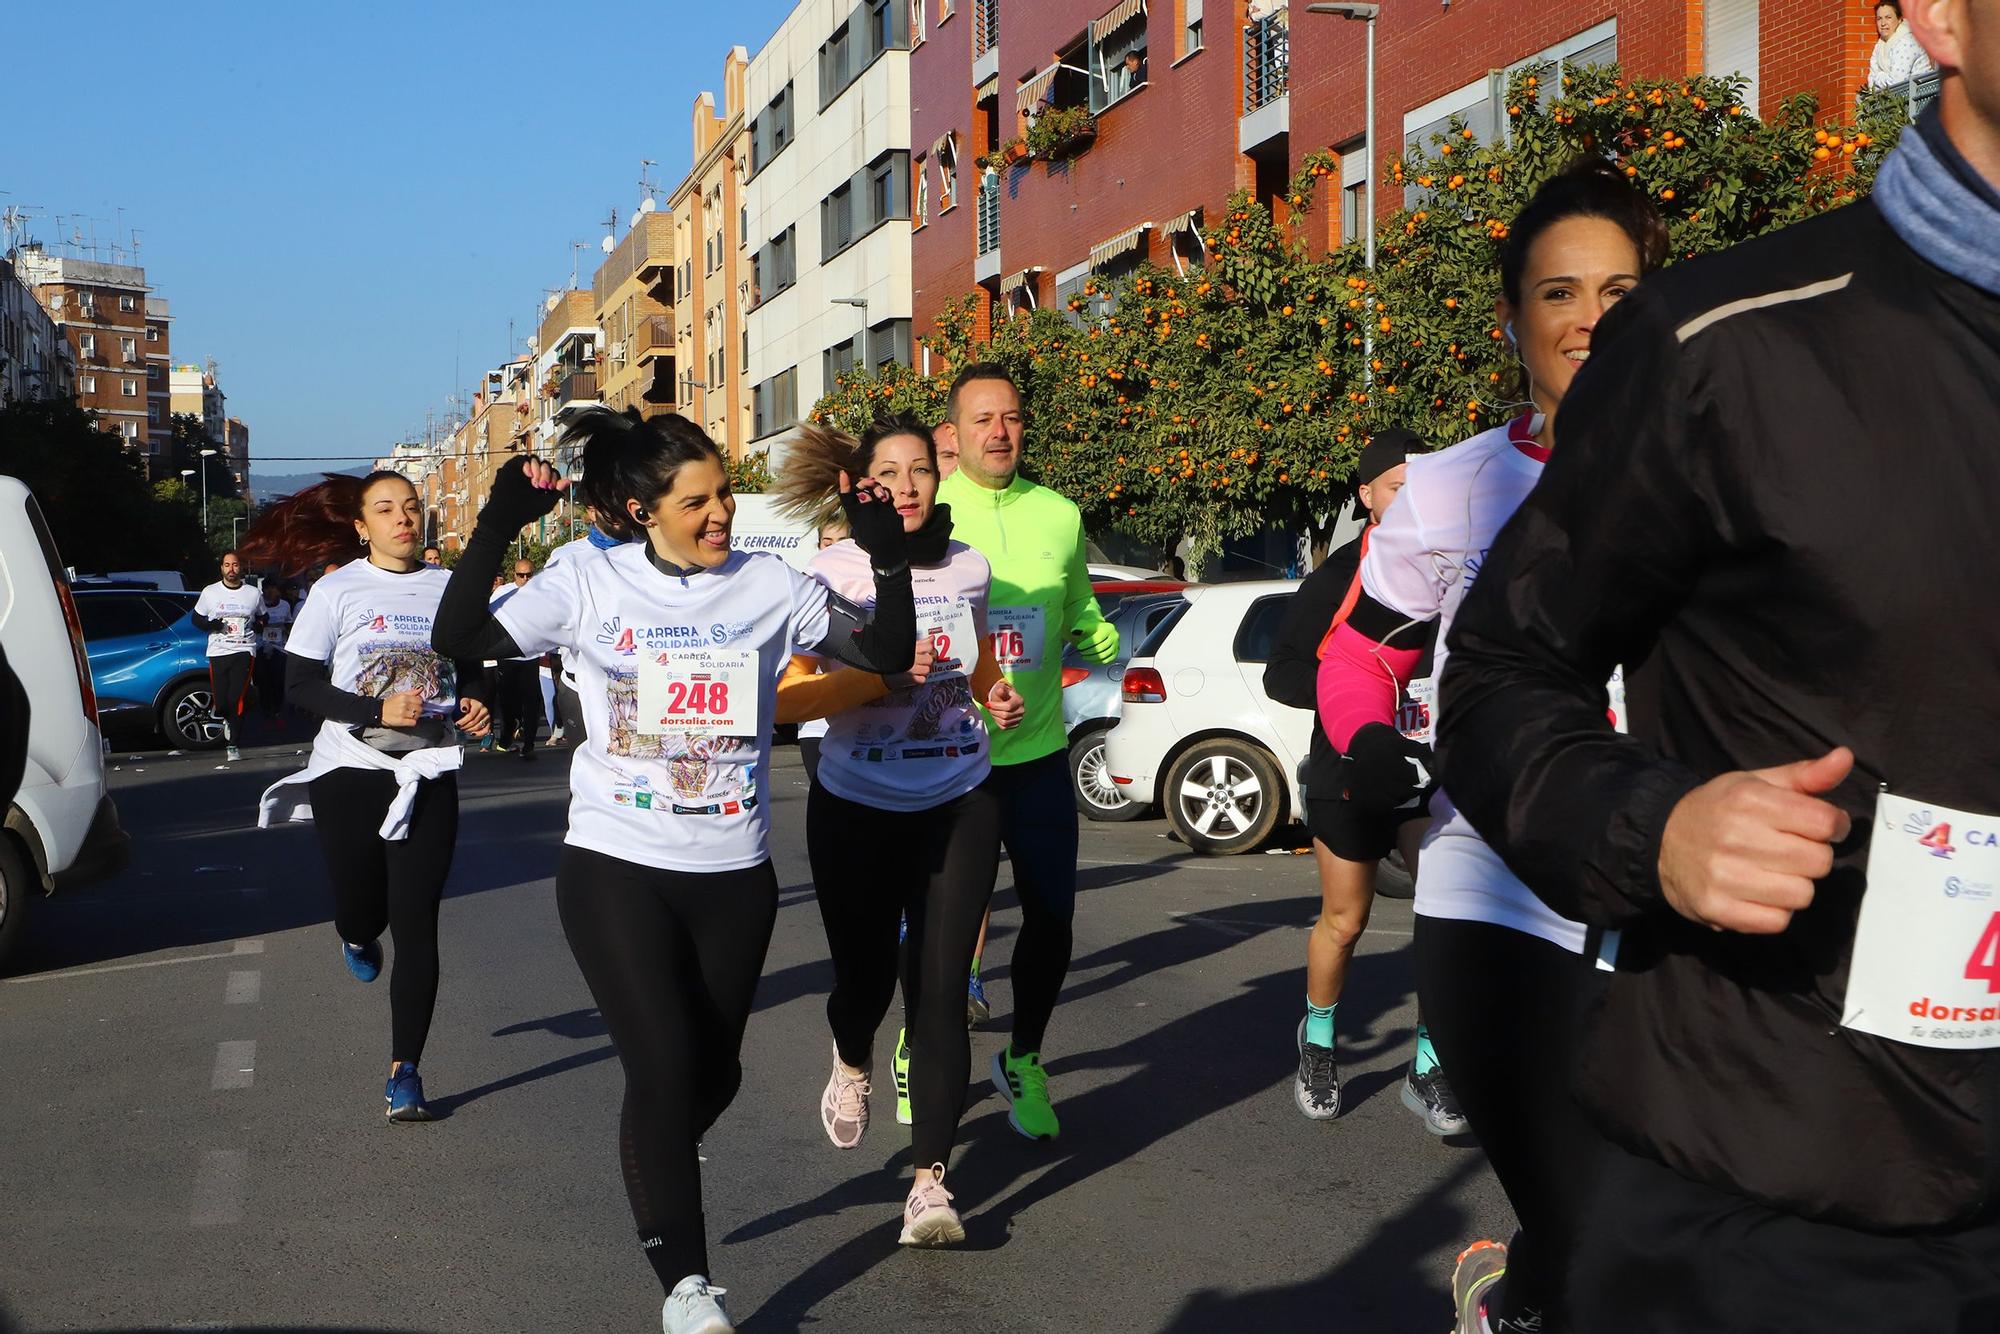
(1363, 13)
(859, 303)
(205, 454)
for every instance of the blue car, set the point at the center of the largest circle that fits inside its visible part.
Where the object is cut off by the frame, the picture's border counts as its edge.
(149, 665)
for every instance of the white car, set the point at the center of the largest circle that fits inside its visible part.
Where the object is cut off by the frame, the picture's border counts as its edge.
(61, 827)
(1198, 734)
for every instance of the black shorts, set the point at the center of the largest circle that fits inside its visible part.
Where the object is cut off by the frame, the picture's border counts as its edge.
(1356, 834)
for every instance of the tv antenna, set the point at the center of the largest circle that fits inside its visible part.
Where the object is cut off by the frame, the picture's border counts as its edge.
(646, 184)
(610, 241)
(576, 249)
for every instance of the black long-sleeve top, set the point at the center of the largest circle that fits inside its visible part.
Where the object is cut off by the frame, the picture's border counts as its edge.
(1772, 500)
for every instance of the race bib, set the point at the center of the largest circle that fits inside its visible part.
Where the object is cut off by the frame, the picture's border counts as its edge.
(1016, 634)
(716, 693)
(1413, 717)
(954, 640)
(1926, 967)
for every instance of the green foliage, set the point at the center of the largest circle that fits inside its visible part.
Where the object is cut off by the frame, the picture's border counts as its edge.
(750, 474)
(1057, 129)
(1234, 398)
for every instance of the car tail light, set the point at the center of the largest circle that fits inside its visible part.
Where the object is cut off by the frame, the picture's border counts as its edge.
(1142, 685)
(78, 651)
(1071, 675)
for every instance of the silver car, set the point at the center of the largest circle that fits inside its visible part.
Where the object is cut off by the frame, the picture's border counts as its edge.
(1090, 697)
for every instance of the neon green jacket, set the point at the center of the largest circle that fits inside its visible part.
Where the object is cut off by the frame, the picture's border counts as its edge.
(1033, 539)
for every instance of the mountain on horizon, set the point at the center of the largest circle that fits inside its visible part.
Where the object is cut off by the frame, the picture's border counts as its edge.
(266, 486)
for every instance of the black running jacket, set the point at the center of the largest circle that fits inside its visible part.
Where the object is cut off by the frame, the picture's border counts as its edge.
(1775, 498)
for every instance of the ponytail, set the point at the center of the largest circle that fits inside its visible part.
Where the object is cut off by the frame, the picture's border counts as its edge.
(630, 457)
(807, 484)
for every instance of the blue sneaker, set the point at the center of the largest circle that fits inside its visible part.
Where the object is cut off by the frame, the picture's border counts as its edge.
(364, 961)
(405, 1095)
(977, 1009)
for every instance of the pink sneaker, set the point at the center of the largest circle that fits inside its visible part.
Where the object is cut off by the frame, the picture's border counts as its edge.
(843, 1108)
(928, 1218)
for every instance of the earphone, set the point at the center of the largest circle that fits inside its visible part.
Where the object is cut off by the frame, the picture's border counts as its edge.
(1511, 340)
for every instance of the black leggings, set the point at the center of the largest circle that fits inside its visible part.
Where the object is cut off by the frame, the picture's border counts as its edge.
(270, 679)
(936, 867)
(229, 689)
(1038, 825)
(378, 884)
(520, 701)
(672, 959)
(1502, 1007)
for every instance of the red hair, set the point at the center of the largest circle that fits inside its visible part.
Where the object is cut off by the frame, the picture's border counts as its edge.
(310, 528)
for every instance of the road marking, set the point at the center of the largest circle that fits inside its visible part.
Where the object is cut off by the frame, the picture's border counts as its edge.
(218, 1188)
(243, 987)
(242, 947)
(235, 1065)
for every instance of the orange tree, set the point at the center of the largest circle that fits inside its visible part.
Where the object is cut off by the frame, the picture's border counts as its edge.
(1233, 398)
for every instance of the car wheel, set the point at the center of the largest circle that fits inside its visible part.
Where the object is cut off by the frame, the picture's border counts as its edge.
(17, 886)
(1224, 796)
(1090, 782)
(188, 717)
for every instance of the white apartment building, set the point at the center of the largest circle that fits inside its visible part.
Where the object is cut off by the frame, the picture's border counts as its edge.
(828, 203)
(35, 359)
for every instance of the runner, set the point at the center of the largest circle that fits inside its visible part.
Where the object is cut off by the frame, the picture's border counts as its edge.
(381, 787)
(1498, 974)
(274, 623)
(1033, 538)
(902, 775)
(1348, 840)
(227, 609)
(518, 697)
(666, 889)
(1804, 1124)
(603, 533)
(813, 730)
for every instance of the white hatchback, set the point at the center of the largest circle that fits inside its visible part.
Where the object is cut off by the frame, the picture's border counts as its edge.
(1198, 734)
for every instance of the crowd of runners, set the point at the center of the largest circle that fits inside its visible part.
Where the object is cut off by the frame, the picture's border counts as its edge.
(1706, 1013)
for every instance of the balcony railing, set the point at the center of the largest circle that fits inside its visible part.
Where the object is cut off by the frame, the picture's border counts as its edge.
(985, 26)
(1914, 95)
(1267, 58)
(989, 217)
(579, 387)
(653, 338)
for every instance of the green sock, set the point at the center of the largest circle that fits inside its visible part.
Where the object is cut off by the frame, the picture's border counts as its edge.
(1427, 1057)
(975, 965)
(1319, 1023)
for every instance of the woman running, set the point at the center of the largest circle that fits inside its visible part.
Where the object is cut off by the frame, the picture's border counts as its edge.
(900, 774)
(1500, 976)
(381, 788)
(665, 889)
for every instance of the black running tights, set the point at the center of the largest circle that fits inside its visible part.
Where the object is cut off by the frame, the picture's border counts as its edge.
(936, 867)
(397, 886)
(672, 959)
(1038, 826)
(1502, 1007)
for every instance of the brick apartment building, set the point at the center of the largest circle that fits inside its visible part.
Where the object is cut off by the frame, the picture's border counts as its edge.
(1228, 94)
(119, 339)
(633, 292)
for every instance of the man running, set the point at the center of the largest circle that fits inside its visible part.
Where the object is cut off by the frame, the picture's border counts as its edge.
(1033, 538)
(228, 611)
(519, 679)
(1795, 1058)
(274, 617)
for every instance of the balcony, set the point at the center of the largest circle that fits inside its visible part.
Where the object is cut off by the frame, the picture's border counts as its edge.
(653, 338)
(1267, 59)
(577, 387)
(987, 263)
(646, 252)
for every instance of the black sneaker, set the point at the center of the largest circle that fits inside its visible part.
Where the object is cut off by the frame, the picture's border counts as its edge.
(1430, 1097)
(1317, 1087)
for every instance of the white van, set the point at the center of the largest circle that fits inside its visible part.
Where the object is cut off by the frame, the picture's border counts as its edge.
(759, 526)
(62, 827)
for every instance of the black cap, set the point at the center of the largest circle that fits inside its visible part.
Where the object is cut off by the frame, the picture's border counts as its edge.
(1384, 451)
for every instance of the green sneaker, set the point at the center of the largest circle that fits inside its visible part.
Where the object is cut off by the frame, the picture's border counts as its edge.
(1022, 1081)
(902, 1065)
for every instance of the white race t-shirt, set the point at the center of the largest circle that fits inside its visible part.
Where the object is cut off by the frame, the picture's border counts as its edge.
(659, 659)
(1423, 558)
(373, 627)
(277, 624)
(921, 746)
(233, 607)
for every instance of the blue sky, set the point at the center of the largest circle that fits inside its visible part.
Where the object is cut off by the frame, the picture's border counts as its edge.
(343, 202)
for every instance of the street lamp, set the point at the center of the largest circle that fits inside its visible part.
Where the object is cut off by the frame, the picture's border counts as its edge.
(860, 303)
(1364, 13)
(206, 454)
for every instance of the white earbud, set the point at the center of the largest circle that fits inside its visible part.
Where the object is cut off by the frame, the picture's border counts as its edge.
(1511, 340)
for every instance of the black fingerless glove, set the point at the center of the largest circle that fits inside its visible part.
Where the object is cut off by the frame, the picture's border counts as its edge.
(878, 530)
(1385, 770)
(515, 501)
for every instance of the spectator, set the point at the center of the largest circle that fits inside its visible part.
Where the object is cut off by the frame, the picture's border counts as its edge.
(1897, 58)
(1131, 74)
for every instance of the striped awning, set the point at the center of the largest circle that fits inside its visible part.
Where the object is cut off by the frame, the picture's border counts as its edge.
(944, 141)
(1122, 244)
(1121, 13)
(1189, 221)
(991, 88)
(1014, 282)
(1030, 95)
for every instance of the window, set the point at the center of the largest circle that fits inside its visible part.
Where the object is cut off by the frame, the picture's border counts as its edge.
(87, 343)
(889, 341)
(770, 131)
(1190, 28)
(833, 67)
(882, 24)
(945, 8)
(777, 265)
(916, 22)
(1117, 53)
(873, 27)
(130, 430)
(128, 387)
(774, 404)
(86, 384)
(882, 201)
(153, 413)
(877, 194)
(836, 221)
(1353, 193)
(115, 616)
(921, 206)
(1069, 287)
(1259, 631)
(155, 373)
(130, 348)
(838, 360)
(154, 333)
(86, 303)
(127, 303)
(947, 169)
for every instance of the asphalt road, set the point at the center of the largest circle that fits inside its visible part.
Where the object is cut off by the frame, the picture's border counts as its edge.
(193, 1133)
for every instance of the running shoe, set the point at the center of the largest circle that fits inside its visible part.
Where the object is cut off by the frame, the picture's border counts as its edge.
(843, 1107)
(695, 1307)
(1316, 1089)
(364, 961)
(977, 1009)
(1430, 1097)
(928, 1218)
(232, 754)
(1480, 1268)
(901, 1066)
(1022, 1081)
(405, 1095)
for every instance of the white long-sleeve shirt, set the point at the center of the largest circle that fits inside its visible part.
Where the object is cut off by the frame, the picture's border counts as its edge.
(1898, 59)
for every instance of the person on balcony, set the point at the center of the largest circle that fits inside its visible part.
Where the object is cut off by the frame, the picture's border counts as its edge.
(1896, 58)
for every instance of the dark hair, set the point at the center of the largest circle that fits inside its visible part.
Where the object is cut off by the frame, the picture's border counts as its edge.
(807, 484)
(1896, 5)
(1590, 187)
(630, 457)
(313, 528)
(978, 370)
(227, 554)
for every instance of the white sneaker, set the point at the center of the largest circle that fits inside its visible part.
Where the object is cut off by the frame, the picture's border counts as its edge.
(843, 1107)
(233, 754)
(928, 1218)
(695, 1307)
